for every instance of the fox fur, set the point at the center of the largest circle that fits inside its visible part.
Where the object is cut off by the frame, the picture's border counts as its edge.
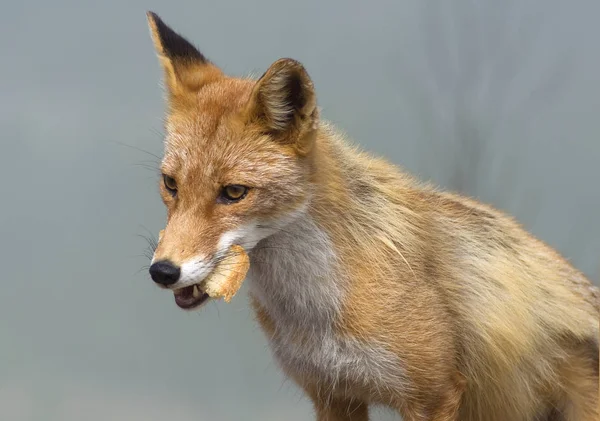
(371, 286)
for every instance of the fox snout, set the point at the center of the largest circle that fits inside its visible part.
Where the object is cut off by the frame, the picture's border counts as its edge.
(181, 263)
(165, 273)
(182, 258)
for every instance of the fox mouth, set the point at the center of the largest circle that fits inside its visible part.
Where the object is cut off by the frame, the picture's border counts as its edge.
(190, 297)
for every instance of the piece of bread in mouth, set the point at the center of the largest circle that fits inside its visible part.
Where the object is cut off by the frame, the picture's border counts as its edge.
(226, 278)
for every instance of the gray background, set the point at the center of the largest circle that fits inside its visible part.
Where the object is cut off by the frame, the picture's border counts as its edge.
(498, 99)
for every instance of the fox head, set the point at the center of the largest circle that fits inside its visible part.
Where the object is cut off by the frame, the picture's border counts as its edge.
(237, 159)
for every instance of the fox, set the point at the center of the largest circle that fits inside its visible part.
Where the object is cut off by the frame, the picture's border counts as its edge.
(372, 287)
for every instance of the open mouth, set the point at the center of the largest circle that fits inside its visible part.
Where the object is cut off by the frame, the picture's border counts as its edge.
(190, 297)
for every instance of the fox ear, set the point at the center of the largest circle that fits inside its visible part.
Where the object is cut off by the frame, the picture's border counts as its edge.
(186, 69)
(283, 104)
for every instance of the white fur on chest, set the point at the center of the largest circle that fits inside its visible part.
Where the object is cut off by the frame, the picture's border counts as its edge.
(293, 276)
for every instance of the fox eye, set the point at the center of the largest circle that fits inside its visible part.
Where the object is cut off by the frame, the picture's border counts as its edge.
(232, 193)
(170, 184)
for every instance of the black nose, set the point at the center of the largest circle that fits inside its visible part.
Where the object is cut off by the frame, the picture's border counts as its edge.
(164, 272)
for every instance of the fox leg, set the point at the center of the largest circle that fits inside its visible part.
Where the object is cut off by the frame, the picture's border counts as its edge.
(581, 403)
(336, 409)
(579, 378)
(443, 406)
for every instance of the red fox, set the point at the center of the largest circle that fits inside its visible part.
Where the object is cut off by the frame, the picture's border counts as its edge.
(373, 288)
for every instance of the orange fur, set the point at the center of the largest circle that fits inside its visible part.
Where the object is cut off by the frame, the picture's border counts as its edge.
(450, 309)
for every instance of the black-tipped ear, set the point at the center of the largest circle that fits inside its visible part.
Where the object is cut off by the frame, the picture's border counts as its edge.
(170, 43)
(283, 101)
(185, 67)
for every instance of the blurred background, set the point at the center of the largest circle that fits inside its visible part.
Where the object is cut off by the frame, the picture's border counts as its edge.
(495, 99)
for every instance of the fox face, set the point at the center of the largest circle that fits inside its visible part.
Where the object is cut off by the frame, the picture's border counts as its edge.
(237, 163)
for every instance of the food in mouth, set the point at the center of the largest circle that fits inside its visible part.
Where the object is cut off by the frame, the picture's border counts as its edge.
(227, 277)
(224, 281)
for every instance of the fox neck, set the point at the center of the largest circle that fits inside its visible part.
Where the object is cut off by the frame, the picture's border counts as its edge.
(293, 272)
